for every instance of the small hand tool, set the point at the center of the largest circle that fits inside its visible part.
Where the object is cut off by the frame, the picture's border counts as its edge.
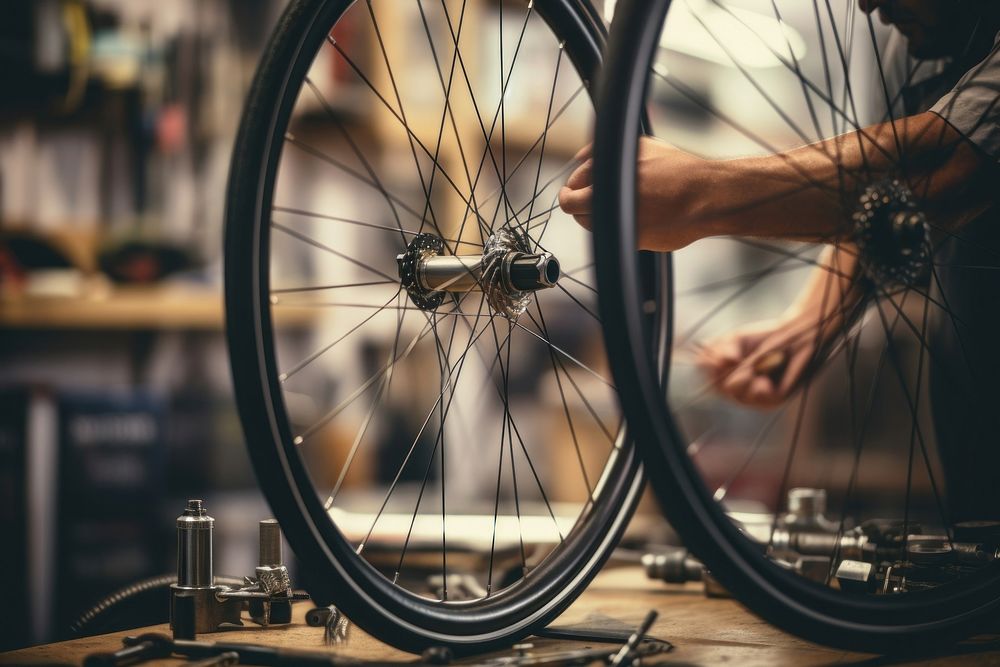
(627, 654)
(132, 654)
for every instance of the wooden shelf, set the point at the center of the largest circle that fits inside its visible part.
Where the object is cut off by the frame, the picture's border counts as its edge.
(123, 308)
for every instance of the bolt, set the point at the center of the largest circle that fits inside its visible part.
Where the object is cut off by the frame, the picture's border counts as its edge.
(195, 508)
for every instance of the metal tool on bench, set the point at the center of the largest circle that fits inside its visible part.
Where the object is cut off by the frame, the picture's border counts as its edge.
(637, 646)
(132, 654)
(155, 646)
(801, 538)
(336, 626)
(198, 604)
(874, 556)
(247, 654)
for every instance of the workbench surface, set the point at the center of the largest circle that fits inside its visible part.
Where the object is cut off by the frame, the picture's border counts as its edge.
(704, 631)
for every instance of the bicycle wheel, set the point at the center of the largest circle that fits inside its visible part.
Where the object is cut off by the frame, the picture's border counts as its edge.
(412, 331)
(887, 425)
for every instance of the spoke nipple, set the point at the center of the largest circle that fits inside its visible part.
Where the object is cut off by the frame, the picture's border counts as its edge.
(282, 377)
(562, 45)
(298, 440)
(289, 136)
(274, 300)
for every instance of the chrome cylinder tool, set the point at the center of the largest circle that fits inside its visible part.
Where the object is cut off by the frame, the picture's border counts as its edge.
(194, 547)
(198, 604)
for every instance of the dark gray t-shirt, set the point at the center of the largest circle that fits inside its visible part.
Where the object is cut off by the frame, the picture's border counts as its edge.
(964, 332)
(972, 106)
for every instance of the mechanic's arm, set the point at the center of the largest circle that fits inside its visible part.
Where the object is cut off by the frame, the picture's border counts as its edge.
(798, 194)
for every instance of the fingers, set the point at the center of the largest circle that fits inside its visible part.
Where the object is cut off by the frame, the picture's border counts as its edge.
(758, 369)
(575, 197)
(795, 370)
(753, 389)
(729, 350)
(576, 202)
(719, 358)
(584, 153)
(582, 176)
(762, 365)
(762, 393)
(738, 380)
(733, 348)
(729, 366)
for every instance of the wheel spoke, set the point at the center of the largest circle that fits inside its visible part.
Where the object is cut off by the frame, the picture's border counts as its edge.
(896, 365)
(413, 139)
(449, 386)
(321, 288)
(373, 178)
(322, 246)
(382, 391)
(564, 353)
(318, 353)
(399, 102)
(333, 218)
(562, 366)
(545, 134)
(394, 201)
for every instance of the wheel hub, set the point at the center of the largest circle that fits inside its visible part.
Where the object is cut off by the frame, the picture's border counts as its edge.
(507, 272)
(892, 235)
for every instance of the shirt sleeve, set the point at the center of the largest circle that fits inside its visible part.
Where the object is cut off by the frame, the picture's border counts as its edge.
(973, 106)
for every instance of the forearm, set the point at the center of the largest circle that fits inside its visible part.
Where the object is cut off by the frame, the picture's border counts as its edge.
(808, 193)
(832, 290)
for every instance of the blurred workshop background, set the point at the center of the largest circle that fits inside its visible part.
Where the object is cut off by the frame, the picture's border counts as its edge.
(116, 126)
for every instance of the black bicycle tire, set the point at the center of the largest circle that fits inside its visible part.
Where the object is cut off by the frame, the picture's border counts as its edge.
(368, 599)
(887, 624)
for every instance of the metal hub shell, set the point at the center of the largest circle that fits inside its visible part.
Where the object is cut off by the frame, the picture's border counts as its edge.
(420, 248)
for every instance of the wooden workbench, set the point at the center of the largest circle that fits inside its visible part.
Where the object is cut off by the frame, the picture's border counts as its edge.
(704, 631)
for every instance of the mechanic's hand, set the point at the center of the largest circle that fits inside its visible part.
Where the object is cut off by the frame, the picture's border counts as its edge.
(763, 364)
(671, 185)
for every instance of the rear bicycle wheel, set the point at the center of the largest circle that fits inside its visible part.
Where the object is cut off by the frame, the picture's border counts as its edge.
(906, 557)
(412, 330)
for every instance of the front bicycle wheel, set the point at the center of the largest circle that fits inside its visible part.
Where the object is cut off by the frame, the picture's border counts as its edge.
(895, 433)
(412, 328)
